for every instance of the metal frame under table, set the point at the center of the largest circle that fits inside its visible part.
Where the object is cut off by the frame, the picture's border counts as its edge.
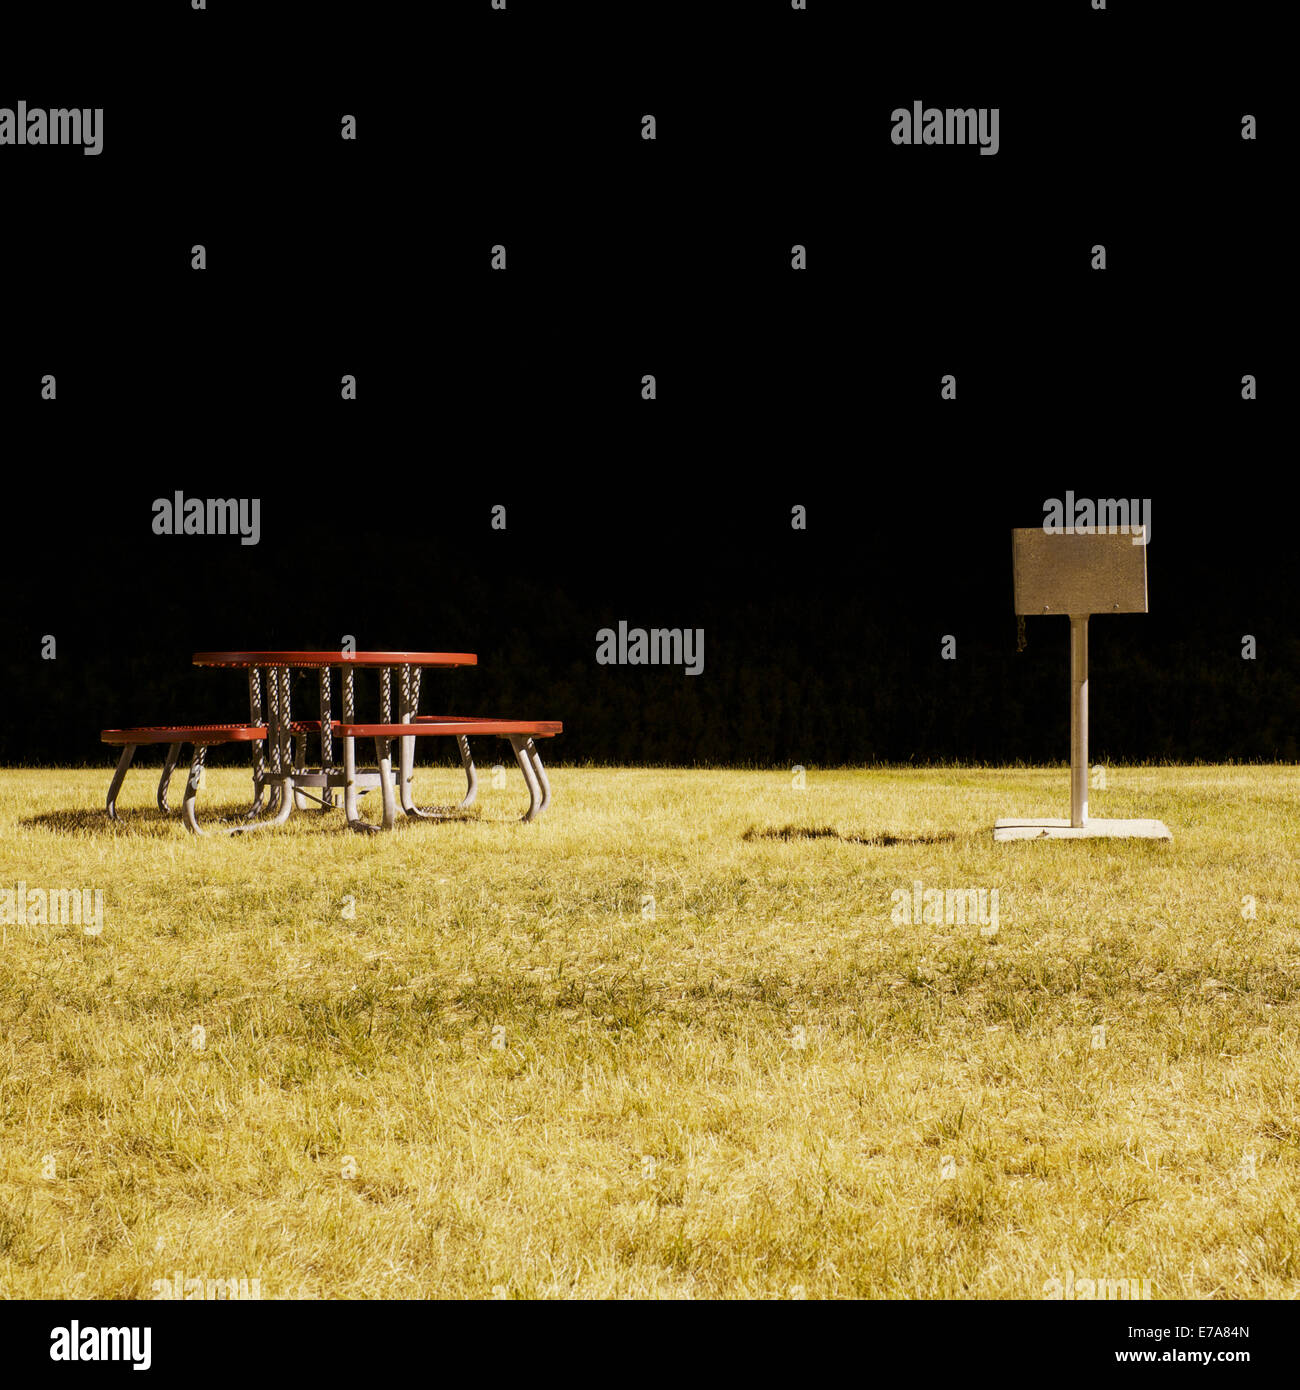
(277, 765)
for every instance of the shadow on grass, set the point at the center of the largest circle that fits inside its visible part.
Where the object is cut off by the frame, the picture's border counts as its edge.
(217, 818)
(138, 819)
(884, 840)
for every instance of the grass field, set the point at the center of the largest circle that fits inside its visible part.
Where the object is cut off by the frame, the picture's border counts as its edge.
(473, 1059)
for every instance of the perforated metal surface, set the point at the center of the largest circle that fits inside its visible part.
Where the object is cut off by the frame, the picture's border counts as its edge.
(1082, 573)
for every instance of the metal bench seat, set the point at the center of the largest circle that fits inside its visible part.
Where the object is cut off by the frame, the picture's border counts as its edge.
(519, 732)
(176, 736)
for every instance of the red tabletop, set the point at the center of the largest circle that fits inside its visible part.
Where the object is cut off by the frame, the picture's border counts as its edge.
(318, 659)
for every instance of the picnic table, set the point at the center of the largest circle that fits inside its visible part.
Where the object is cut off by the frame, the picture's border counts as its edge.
(285, 777)
(271, 670)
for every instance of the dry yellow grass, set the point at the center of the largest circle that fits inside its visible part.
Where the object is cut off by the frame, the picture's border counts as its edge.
(501, 1071)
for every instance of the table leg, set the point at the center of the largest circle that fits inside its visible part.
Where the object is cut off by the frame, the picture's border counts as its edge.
(286, 730)
(406, 747)
(259, 752)
(384, 747)
(273, 772)
(279, 739)
(326, 740)
(350, 762)
(301, 800)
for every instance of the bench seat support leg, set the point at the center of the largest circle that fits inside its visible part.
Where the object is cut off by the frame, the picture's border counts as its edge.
(542, 780)
(442, 812)
(520, 745)
(119, 776)
(384, 759)
(164, 781)
(471, 775)
(350, 790)
(300, 800)
(284, 786)
(284, 807)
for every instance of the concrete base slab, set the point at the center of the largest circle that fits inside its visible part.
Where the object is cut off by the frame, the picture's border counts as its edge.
(1045, 828)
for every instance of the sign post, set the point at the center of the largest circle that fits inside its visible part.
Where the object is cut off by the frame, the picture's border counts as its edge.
(1075, 574)
(1078, 720)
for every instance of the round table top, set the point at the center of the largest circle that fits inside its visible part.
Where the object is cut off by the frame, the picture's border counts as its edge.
(319, 659)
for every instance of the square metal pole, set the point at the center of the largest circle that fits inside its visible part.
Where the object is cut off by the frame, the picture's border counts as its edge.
(1078, 720)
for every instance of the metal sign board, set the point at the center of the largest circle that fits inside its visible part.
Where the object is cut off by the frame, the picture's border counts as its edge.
(1078, 572)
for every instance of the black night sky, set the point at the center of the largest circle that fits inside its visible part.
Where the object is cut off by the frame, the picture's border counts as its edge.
(775, 388)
